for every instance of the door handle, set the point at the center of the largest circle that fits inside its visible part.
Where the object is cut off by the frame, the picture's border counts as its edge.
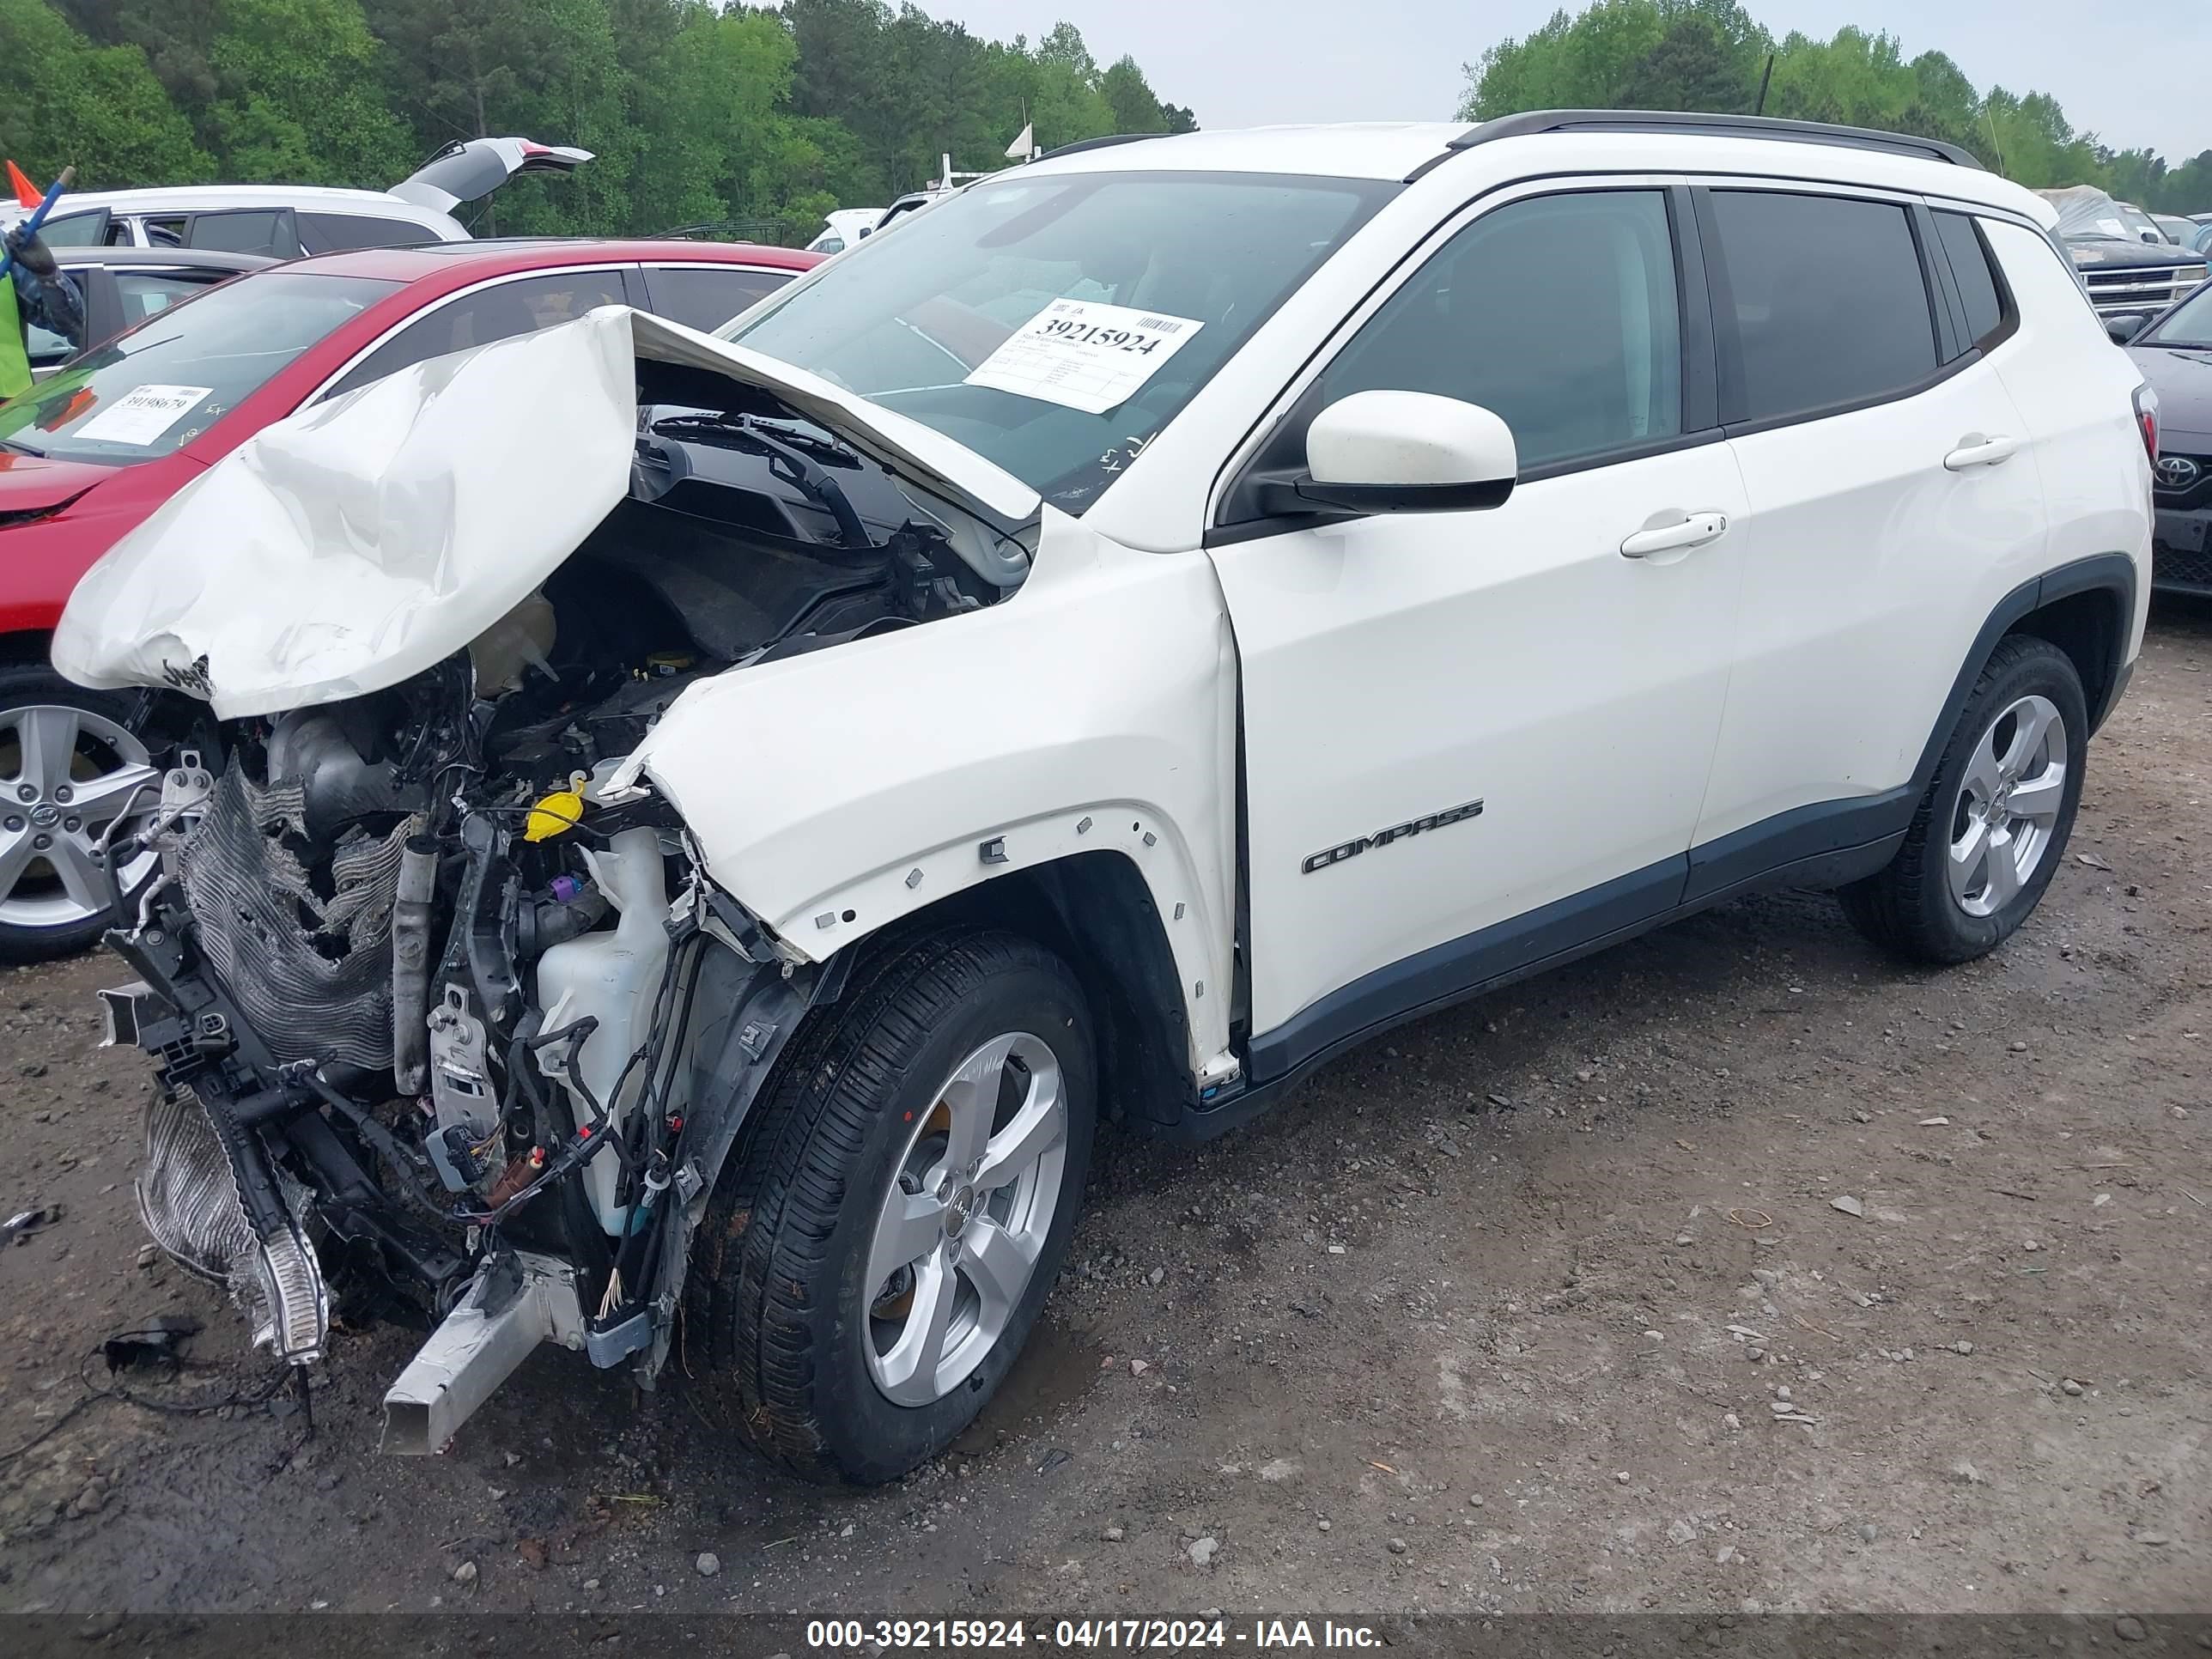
(1695, 531)
(1976, 450)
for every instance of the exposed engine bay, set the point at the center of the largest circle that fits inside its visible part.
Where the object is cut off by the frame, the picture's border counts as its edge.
(440, 1018)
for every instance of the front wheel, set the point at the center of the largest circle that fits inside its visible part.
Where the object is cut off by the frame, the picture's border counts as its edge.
(1991, 829)
(68, 766)
(877, 1252)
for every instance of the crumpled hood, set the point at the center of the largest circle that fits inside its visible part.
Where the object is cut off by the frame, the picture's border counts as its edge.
(360, 541)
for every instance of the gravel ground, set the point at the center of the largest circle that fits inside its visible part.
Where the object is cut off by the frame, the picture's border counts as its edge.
(1733, 1269)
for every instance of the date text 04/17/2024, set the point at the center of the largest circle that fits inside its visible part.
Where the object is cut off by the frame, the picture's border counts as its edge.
(1166, 1635)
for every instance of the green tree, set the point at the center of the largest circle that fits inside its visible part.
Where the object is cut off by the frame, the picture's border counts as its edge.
(67, 100)
(298, 96)
(1618, 54)
(175, 34)
(1692, 66)
(1135, 107)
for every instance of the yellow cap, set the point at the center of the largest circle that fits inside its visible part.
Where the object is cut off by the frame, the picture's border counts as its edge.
(558, 812)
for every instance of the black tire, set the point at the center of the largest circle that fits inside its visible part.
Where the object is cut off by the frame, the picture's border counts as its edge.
(1908, 909)
(23, 687)
(777, 1285)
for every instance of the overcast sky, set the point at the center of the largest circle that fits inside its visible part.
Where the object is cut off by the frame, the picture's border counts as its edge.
(2141, 78)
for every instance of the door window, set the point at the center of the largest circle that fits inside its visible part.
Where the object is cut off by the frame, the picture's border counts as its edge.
(273, 231)
(1820, 302)
(1977, 277)
(335, 233)
(75, 229)
(1559, 314)
(705, 297)
(144, 293)
(521, 307)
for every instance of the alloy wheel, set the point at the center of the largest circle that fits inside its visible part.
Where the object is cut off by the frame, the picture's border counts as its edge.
(66, 775)
(969, 1210)
(2008, 805)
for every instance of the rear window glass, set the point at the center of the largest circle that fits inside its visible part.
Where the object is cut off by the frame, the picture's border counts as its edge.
(1827, 298)
(149, 392)
(705, 297)
(1971, 270)
(335, 233)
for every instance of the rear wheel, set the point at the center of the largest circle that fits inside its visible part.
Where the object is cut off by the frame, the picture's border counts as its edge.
(68, 766)
(877, 1252)
(1994, 823)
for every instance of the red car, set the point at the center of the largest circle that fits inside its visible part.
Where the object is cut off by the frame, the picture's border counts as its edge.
(90, 452)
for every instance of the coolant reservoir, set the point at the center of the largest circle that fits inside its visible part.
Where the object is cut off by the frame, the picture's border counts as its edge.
(613, 975)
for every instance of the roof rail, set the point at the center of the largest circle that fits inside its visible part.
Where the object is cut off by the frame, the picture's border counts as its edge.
(1082, 145)
(1737, 126)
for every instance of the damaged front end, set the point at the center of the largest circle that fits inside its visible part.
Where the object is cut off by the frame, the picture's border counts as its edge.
(443, 1015)
(466, 1049)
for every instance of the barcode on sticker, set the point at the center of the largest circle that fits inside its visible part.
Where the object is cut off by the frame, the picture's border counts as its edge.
(1164, 324)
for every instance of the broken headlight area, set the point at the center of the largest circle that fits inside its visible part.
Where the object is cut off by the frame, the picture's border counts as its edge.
(437, 1011)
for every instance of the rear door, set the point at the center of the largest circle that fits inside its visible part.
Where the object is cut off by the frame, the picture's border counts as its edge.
(1893, 503)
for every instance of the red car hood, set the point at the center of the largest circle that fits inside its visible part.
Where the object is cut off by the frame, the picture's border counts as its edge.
(32, 484)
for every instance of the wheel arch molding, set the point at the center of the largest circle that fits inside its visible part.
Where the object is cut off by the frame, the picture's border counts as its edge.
(2087, 608)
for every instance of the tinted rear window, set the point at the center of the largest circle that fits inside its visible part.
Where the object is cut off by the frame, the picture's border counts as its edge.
(705, 297)
(1971, 270)
(1830, 305)
(335, 233)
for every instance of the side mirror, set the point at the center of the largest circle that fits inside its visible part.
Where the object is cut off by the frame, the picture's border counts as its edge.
(1407, 451)
(2125, 328)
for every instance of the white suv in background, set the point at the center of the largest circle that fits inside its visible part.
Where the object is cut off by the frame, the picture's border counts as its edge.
(284, 222)
(1183, 608)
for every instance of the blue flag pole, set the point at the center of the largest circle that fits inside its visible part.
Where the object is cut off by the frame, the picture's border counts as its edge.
(38, 216)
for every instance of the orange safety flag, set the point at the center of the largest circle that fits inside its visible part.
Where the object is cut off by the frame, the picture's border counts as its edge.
(27, 195)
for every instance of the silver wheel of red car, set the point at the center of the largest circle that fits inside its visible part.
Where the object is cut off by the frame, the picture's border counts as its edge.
(68, 770)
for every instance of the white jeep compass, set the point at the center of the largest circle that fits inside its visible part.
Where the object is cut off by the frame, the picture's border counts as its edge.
(687, 837)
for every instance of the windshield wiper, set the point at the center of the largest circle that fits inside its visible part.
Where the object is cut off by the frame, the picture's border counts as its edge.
(22, 448)
(787, 459)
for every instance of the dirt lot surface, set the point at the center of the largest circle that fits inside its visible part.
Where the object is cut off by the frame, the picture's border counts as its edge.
(1733, 1266)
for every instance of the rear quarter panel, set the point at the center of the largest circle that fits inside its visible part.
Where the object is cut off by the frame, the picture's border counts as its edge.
(2075, 390)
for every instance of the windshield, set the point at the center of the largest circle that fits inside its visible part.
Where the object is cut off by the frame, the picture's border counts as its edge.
(1053, 324)
(2188, 324)
(149, 392)
(2143, 226)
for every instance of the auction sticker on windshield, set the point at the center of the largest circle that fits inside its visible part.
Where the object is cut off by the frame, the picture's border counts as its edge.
(142, 413)
(1084, 354)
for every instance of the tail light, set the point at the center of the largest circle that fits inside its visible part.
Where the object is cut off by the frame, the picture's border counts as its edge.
(2147, 420)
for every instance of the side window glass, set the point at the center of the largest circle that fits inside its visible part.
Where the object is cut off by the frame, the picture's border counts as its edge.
(703, 298)
(144, 292)
(74, 229)
(1558, 313)
(1971, 270)
(249, 230)
(44, 348)
(335, 233)
(498, 313)
(1827, 299)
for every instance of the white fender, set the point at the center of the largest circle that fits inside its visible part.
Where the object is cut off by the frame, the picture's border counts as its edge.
(834, 792)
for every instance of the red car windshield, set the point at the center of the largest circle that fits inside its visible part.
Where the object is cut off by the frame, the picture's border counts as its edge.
(147, 393)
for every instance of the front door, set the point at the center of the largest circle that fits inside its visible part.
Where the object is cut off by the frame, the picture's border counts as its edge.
(1476, 738)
